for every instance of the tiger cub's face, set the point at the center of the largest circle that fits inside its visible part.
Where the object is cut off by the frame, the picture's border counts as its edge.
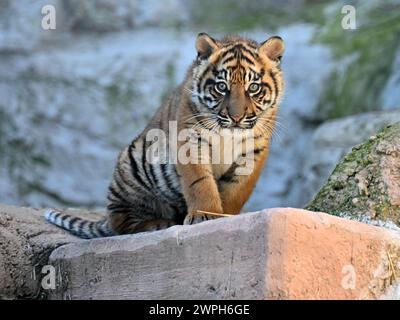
(236, 82)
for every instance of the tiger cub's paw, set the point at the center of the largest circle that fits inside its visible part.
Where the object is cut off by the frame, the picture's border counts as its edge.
(193, 218)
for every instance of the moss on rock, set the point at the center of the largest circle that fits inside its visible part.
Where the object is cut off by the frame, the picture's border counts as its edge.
(366, 182)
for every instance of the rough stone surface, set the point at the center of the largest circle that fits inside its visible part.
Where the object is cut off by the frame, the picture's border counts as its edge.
(332, 140)
(108, 15)
(274, 254)
(20, 25)
(26, 242)
(366, 181)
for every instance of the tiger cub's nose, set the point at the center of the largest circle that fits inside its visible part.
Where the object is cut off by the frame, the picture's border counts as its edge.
(236, 117)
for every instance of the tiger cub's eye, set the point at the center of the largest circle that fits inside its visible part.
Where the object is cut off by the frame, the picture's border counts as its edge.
(254, 87)
(221, 87)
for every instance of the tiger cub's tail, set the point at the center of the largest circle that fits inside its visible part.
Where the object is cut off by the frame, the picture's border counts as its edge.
(77, 226)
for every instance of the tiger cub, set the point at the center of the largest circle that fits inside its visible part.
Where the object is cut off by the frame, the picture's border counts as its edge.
(234, 86)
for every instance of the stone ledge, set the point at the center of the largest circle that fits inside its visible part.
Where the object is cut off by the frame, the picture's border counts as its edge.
(279, 253)
(26, 242)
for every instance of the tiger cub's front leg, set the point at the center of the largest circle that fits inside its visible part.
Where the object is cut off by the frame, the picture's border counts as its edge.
(200, 191)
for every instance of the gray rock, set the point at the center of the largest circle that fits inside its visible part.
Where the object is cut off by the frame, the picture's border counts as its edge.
(108, 15)
(84, 104)
(20, 25)
(26, 242)
(169, 13)
(99, 16)
(182, 262)
(366, 182)
(272, 254)
(332, 140)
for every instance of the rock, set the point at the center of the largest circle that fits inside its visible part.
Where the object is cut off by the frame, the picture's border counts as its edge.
(85, 104)
(334, 139)
(100, 16)
(20, 25)
(108, 15)
(169, 13)
(274, 254)
(26, 242)
(367, 181)
(21, 30)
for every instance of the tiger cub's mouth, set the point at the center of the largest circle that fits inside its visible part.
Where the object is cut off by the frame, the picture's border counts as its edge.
(246, 123)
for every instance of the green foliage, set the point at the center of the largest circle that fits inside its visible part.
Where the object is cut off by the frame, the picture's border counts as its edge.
(17, 152)
(119, 96)
(237, 15)
(366, 54)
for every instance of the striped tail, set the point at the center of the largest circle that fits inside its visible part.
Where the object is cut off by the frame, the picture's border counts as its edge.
(77, 226)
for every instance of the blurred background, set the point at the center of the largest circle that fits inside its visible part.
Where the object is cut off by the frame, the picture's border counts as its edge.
(71, 98)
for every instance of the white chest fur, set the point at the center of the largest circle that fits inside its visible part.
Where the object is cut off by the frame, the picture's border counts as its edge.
(228, 147)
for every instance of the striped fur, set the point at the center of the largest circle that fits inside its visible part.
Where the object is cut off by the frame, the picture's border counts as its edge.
(80, 227)
(234, 84)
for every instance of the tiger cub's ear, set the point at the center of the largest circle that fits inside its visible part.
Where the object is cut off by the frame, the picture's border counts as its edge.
(273, 48)
(205, 45)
